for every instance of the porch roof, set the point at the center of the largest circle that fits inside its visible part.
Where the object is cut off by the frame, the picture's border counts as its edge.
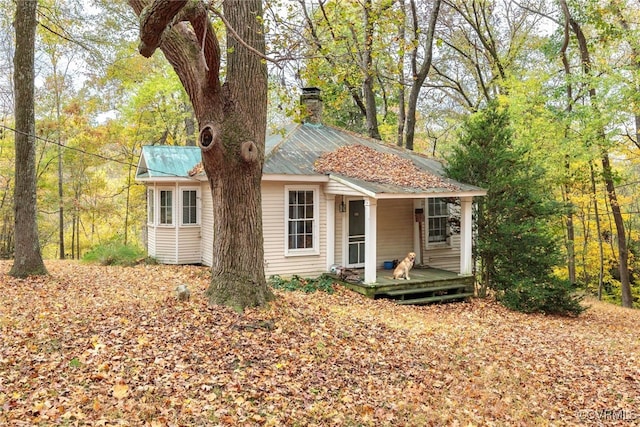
(379, 190)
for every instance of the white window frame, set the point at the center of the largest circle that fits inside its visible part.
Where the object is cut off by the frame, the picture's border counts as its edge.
(197, 206)
(444, 242)
(151, 206)
(173, 206)
(315, 249)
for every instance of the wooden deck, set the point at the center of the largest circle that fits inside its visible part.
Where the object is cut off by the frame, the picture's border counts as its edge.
(427, 285)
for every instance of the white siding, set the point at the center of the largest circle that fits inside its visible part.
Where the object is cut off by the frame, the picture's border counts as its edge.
(395, 229)
(206, 242)
(273, 224)
(151, 241)
(166, 245)
(333, 187)
(188, 239)
(395, 222)
(189, 245)
(445, 257)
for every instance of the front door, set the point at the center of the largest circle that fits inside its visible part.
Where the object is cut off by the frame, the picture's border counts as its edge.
(356, 233)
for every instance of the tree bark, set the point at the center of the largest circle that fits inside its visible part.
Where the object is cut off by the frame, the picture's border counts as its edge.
(402, 115)
(570, 244)
(232, 123)
(368, 71)
(596, 211)
(58, 89)
(28, 258)
(419, 75)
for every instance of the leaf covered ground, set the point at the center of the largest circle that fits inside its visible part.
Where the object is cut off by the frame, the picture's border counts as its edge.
(92, 345)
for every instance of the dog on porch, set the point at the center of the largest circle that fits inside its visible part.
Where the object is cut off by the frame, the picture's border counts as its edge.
(403, 268)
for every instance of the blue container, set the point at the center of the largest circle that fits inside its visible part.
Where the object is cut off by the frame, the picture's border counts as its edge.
(388, 265)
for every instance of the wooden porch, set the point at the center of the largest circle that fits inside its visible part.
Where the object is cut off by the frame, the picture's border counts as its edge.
(427, 285)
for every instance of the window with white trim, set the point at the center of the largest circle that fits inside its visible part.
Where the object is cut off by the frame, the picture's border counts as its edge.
(438, 220)
(302, 206)
(189, 207)
(166, 207)
(151, 206)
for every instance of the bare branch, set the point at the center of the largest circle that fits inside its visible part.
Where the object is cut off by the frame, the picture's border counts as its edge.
(240, 40)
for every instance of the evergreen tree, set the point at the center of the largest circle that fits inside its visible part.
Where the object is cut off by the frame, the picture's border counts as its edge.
(515, 246)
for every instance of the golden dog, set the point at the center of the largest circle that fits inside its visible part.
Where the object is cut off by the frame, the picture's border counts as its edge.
(402, 270)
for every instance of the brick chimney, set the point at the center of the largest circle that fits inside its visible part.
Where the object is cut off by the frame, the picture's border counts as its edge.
(311, 103)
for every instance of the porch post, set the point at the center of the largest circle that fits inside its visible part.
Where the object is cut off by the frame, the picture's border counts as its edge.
(331, 230)
(466, 234)
(370, 239)
(417, 204)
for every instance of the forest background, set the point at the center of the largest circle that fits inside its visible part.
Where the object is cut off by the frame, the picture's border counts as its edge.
(99, 101)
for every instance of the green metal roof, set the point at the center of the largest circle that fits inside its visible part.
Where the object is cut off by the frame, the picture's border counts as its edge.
(161, 161)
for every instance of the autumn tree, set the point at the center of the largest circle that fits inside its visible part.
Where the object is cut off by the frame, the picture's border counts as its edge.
(419, 69)
(379, 53)
(516, 247)
(232, 126)
(341, 36)
(601, 141)
(27, 258)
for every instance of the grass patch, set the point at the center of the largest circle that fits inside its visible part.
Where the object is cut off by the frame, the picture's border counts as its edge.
(114, 254)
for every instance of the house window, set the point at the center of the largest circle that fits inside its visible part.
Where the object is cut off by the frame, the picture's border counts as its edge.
(302, 220)
(166, 207)
(189, 207)
(151, 207)
(438, 219)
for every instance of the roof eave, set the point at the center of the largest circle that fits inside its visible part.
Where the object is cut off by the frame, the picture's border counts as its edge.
(166, 179)
(436, 192)
(425, 194)
(291, 177)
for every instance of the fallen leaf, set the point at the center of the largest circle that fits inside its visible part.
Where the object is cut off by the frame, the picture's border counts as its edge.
(120, 391)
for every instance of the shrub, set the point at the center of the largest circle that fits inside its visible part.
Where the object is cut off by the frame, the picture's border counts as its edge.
(556, 296)
(113, 253)
(296, 283)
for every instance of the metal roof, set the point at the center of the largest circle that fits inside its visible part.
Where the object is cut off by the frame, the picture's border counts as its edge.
(293, 150)
(161, 161)
(296, 153)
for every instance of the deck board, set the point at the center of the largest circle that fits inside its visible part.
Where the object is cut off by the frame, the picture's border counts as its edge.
(422, 280)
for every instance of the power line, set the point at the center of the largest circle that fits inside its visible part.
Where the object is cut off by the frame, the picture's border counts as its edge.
(100, 156)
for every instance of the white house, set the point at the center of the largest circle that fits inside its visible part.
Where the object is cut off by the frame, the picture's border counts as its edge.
(329, 197)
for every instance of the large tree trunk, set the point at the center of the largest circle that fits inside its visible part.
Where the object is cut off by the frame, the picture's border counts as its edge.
(28, 259)
(234, 168)
(232, 123)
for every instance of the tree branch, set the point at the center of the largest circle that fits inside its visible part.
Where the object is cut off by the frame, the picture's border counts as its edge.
(154, 19)
(240, 40)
